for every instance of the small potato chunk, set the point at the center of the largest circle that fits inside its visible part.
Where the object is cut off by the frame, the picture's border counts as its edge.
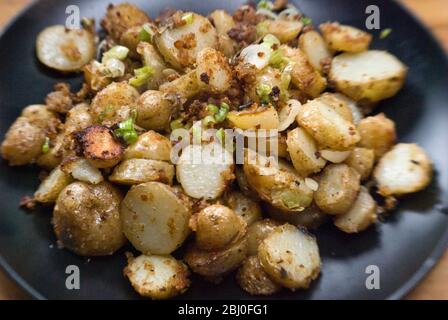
(150, 145)
(315, 49)
(186, 86)
(205, 171)
(216, 227)
(99, 146)
(287, 114)
(335, 156)
(86, 219)
(78, 118)
(181, 44)
(311, 218)
(253, 279)
(345, 38)
(327, 126)
(136, 171)
(157, 277)
(303, 75)
(40, 116)
(215, 264)
(154, 60)
(23, 142)
(245, 207)
(303, 152)
(213, 71)
(362, 160)
(122, 17)
(81, 169)
(254, 118)
(338, 188)
(65, 50)
(113, 104)
(257, 232)
(154, 218)
(339, 104)
(154, 110)
(360, 216)
(244, 185)
(223, 23)
(276, 183)
(284, 30)
(52, 185)
(290, 256)
(404, 169)
(377, 133)
(368, 76)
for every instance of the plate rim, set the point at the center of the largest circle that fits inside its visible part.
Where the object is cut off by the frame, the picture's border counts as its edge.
(431, 260)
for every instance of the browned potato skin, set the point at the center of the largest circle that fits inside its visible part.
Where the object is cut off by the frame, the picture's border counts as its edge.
(339, 39)
(122, 17)
(86, 219)
(303, 75)
(150, 145)
(23, 142)
(257, 232)
(253, 279)
(338, 188)
(154, 110)
(99, 146)
(377, 133)
(41, 117)
(310, 218)
(216, 226)
(130, 39)
(244, 206)
(215, 264)
(114, 103)
(362, 160)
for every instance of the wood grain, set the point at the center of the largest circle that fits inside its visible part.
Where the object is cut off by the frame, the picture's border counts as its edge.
(434, 13)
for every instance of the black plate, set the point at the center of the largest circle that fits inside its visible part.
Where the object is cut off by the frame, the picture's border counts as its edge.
(404, 247)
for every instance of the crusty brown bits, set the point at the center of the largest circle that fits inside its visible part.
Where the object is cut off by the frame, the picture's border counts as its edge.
(98, 145)
(61, 99)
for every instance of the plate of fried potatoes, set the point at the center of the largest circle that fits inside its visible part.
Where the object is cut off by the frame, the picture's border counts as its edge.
(105, 109)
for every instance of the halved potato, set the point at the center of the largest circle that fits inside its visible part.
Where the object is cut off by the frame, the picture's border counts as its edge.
(284, 30)
(245, 207)
(339, 104)
(345, 38)
(216, 226)
(257, 232)
(136, 171)
(40, 116)
(255, 117)
(213, 72)
(152, 58)
(360, 216)
(362, 160)
(313, 45)
(223, 23)
(154, 110)
(244, 185)
(81, 169)
(65, 49)
(180, 44)
(52, 185)
(215, 264)
(276, 183)
(186, 86)
(303, 152)
(290, 256)
(78, 118)
(338, 188)
(99, 146)
(150, 145)
(368, 76)
(204, 171)
(327, 126)
(157, 277)
(377, 133)
(253, 279)
(311, 218)
(404, 169)
(155, 219)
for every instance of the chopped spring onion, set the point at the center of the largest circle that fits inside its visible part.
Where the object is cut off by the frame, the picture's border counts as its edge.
(285, 81)
(385, 33)
(263, 91)
(306, 20)
(126, 131)
(208, 120)
(222, 113)
(212, 108)
(146, 33)
(187, 17)
(46, 145)
(263, 4)
(262, 29)
(142, 76)
(278, 59)
(117, 52)
(176, 124)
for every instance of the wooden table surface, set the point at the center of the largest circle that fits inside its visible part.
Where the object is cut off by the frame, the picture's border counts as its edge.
(434, 13)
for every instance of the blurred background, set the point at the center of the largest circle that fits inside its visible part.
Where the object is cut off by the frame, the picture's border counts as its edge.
(433, 13)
